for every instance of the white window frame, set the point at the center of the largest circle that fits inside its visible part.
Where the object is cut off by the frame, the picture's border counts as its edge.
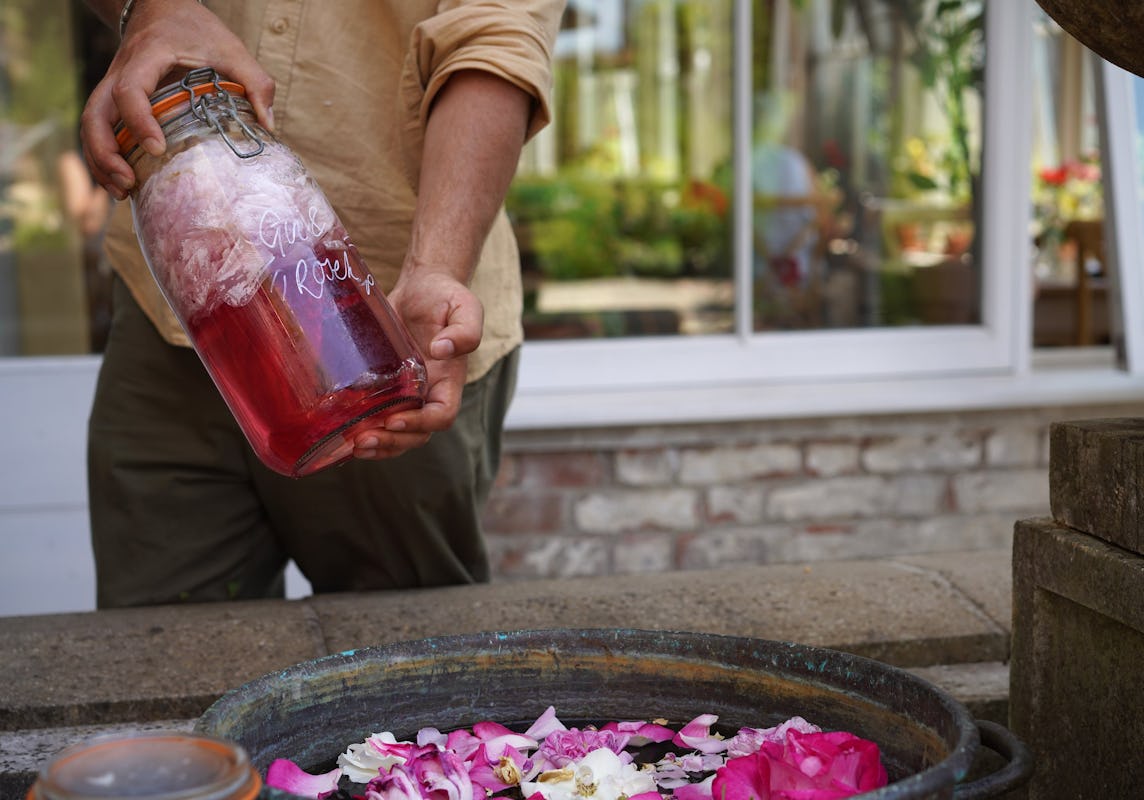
(879, 370)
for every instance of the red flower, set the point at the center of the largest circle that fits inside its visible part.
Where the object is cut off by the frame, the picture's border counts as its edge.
(1054, 176)
(808, 766)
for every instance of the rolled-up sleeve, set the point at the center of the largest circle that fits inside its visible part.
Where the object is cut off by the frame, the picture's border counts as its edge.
(513, 41)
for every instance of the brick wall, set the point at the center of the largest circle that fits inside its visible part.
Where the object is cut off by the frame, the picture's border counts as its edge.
(650, 499)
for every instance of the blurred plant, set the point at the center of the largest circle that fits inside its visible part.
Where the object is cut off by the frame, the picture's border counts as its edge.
(581, 226)
(933, 166)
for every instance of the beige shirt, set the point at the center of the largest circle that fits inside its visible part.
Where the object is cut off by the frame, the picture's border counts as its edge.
(355, 81)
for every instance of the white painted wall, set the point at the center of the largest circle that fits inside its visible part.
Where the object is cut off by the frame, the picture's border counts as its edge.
(45, 557)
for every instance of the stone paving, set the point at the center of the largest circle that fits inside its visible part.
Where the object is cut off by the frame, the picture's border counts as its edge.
(67, 677)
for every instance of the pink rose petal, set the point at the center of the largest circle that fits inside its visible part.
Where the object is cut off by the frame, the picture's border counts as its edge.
(641, 733)
(286, 775)
(696, 735)
(545, 724)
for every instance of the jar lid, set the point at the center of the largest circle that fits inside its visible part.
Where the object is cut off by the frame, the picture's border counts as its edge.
(159, 765)
(197, 83)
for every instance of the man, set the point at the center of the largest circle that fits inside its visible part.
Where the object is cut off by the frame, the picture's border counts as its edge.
(411, 116)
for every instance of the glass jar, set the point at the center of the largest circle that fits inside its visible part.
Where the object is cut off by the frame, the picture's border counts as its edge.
(272, 293)
(149, 766)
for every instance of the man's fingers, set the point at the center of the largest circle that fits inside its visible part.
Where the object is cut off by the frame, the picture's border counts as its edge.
(135, 109)
(375, 445)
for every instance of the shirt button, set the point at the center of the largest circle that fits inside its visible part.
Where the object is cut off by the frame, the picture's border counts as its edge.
(280, 25)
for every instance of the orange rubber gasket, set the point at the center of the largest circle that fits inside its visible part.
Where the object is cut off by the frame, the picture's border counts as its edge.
(126, 140)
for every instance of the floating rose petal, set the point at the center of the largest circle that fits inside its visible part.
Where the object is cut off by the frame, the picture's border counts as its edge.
(545, 724)
(561, 748)
(397, 784)
(641, 733)
(646, 796)
(431, 736)
(744, 778)
(749, 740)
(701, 762)
(388, 746)
(600, 775)
(697, 791)
(364, 761)
(441, 775)
(465, 743)
(696, 735)
(497, 772)
(286, 775)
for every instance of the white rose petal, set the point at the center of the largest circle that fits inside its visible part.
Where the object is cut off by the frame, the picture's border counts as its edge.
(600, 775)
(362, 762)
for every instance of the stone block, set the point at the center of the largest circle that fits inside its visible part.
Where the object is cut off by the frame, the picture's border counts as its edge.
(652, 467)
(1017, 490)
(737, 463)
(946, 453)
(1014, 447)
(1078, 662)
(1095, 471)
(828, 459)
(658, 509)
(833, 498)
(740, 505)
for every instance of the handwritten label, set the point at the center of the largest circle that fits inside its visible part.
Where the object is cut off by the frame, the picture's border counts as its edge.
(277, 234)
(309, 275)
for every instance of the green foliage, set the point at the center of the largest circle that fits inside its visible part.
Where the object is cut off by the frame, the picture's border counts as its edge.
(581, 226)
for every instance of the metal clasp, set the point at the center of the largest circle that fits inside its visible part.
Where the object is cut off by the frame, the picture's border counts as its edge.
(214, 107)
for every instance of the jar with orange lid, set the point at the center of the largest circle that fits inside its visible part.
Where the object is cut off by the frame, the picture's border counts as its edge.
(157, 765)
(265, 280)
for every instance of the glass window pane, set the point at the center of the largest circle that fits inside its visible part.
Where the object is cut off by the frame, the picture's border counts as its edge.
(622, 205)
(1071, 305)
(866, 159)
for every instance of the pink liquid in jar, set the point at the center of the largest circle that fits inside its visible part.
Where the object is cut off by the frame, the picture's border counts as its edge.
(286, 317)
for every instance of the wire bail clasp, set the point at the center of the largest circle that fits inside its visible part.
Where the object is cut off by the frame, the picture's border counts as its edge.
(213, 108)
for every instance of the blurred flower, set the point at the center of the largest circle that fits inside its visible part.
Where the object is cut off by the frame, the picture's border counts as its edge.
(1064, 193)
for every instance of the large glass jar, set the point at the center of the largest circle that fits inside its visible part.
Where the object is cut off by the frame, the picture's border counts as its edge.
(157, 765)
(276, 300)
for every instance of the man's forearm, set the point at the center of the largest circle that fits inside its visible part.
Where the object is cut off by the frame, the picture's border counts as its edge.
(473, 141)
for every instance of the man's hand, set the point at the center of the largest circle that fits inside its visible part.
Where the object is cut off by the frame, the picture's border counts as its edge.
(163, 37)
(446, 320)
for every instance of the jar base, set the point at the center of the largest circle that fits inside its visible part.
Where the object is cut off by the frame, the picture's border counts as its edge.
(337, 446)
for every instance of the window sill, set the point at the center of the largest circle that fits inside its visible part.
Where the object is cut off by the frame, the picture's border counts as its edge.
(1065, 377)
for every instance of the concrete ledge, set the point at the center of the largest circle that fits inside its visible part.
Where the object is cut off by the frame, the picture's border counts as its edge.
(68, 676)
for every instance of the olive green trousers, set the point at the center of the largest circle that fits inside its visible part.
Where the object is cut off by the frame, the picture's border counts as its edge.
(182, 509)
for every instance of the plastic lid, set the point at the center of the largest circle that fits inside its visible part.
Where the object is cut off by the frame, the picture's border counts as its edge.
(171, 96)
(155, 766)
